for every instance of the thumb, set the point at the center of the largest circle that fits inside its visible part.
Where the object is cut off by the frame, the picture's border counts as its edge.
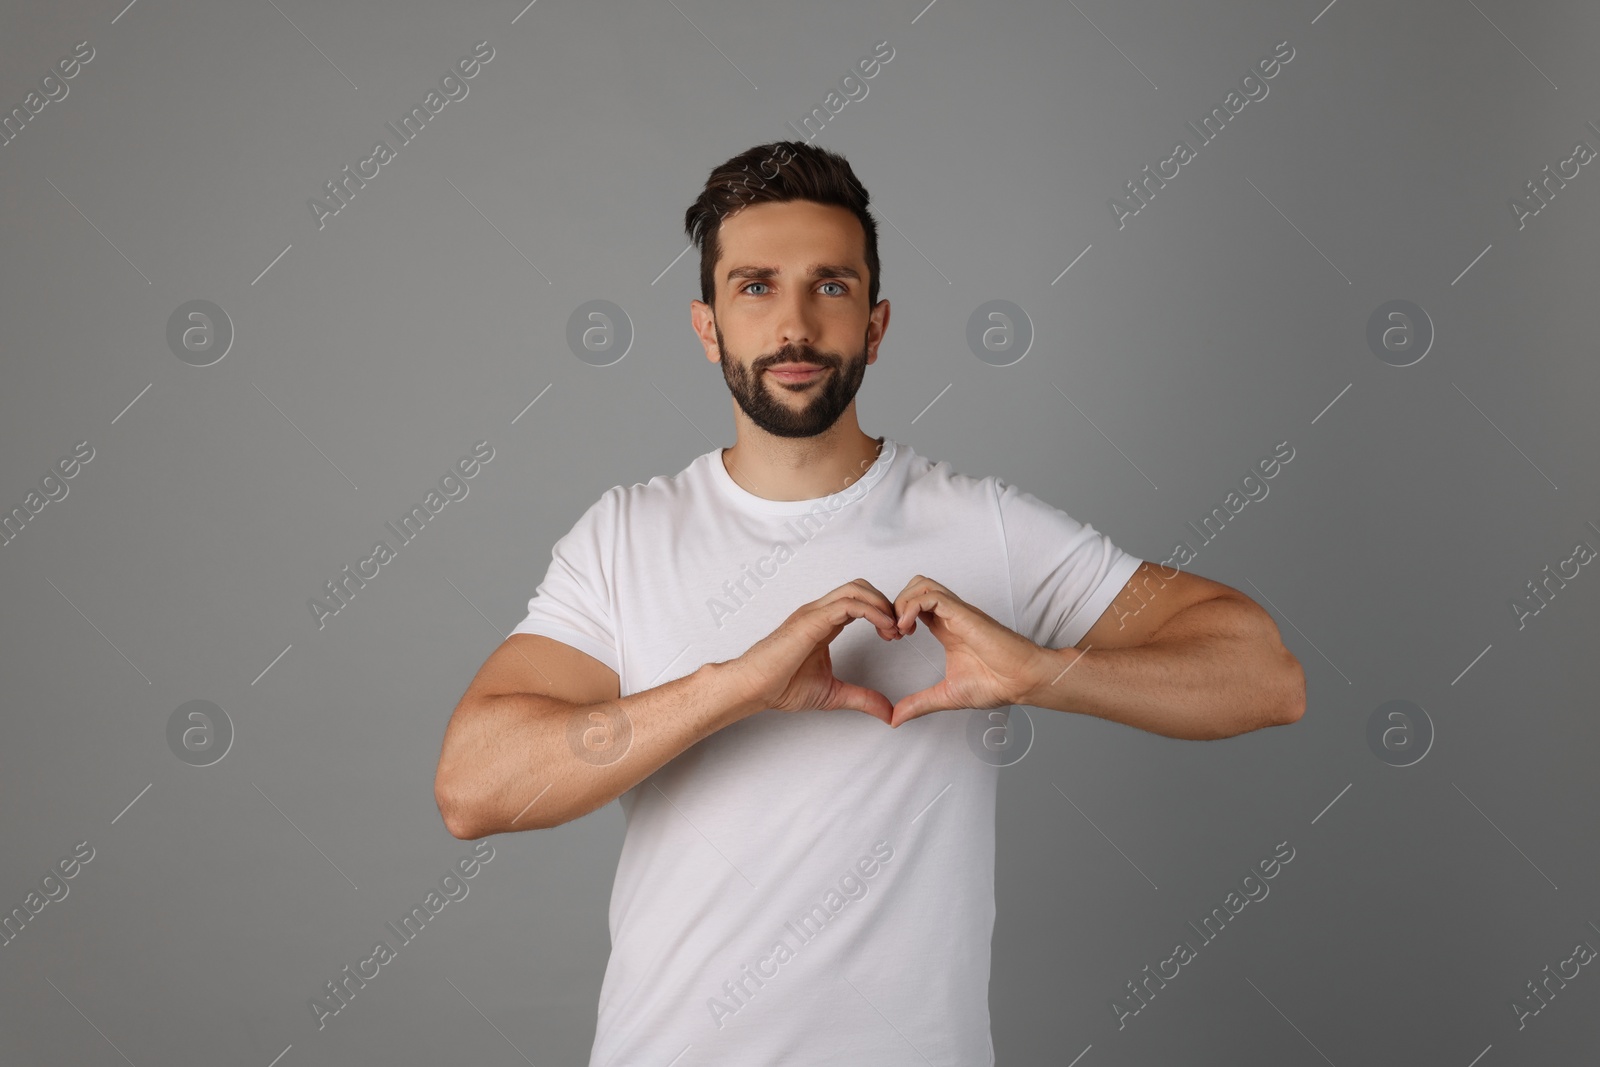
(936, 697)
(860, 698)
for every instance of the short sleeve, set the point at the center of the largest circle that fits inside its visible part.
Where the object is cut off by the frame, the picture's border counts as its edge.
(1064, 574)
(573, 603)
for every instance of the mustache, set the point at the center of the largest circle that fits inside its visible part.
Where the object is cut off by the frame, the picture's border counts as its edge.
(792, 356)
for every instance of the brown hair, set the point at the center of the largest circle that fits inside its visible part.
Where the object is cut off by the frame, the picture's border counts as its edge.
(802, 171)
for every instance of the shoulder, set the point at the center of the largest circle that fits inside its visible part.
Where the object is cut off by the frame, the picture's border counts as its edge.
(663, 492)
(926, 476)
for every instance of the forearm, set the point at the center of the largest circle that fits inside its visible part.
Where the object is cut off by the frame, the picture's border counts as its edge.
(534, 762)
(1215, 670)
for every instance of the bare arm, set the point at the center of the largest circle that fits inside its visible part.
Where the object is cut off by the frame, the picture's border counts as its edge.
(542, 737)
(509, 760)
(1181, 656)
(1215, 669)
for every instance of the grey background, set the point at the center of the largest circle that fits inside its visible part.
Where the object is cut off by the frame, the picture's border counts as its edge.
(1227, 316)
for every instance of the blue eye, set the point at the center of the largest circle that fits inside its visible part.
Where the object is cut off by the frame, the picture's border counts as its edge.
(839, 285)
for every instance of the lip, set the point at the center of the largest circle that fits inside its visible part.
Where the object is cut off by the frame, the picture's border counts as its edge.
(795, 372)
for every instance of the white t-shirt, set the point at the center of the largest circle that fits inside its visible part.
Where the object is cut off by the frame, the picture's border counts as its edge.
(809, 888)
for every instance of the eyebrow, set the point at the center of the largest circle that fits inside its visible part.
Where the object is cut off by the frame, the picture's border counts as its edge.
(818, 270)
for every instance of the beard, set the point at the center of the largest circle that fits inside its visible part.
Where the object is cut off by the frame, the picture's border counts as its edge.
(757, 395)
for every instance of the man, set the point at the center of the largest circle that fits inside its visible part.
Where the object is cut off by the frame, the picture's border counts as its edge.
(807, 876)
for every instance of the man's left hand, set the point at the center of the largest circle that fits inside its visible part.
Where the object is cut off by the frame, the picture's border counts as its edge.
(987, 665)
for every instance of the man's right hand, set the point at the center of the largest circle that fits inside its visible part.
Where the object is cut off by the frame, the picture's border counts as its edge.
(790, 669)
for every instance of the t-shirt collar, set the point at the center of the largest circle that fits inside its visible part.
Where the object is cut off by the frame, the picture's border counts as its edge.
(748, 501)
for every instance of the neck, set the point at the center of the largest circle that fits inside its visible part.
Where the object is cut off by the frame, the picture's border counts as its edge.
(799, 468)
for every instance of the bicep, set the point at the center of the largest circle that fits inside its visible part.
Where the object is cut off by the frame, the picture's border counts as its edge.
(481, 752)
(1148, 599)
(533, 663)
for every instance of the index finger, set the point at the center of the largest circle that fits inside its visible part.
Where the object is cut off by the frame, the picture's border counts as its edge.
(864, 590)
(876, 608)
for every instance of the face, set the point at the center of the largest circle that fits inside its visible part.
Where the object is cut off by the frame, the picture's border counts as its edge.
(792, 288)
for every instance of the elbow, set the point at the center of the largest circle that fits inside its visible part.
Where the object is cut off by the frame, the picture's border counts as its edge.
(466, 819)
(1293, 705)
(461, 830)
(1276, 705)
(458, 815)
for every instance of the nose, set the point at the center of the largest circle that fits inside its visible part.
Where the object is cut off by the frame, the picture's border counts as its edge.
(796, 325)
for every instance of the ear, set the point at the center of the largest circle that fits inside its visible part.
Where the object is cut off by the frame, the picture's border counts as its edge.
(703, 319)
(877, 325)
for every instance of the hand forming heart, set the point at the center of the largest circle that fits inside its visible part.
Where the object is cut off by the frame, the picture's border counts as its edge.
(986, 665)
